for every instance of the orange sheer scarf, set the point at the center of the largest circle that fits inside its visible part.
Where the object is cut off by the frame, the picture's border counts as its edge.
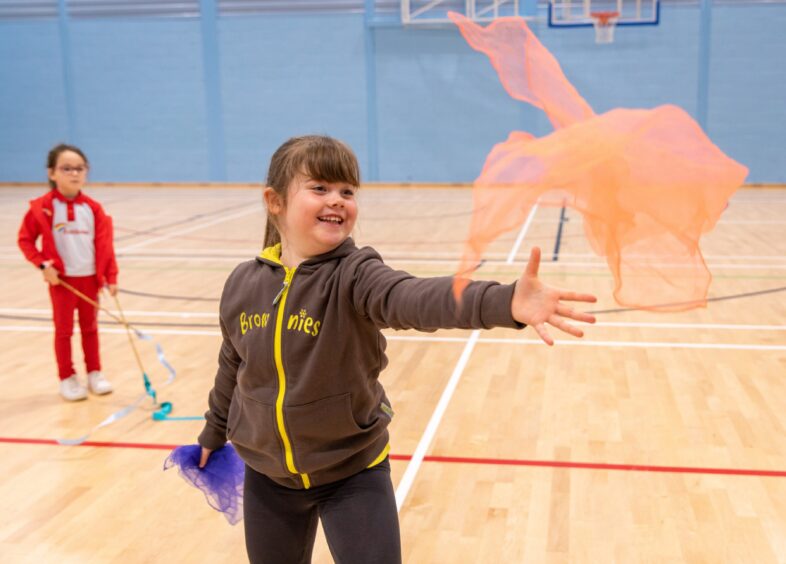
(648, 183)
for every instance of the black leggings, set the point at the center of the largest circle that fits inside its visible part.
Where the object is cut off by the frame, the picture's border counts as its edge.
(358, 515)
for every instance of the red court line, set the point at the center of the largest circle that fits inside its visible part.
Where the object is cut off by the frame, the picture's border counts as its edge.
(87, 443)
(603, 466)
(468, 460)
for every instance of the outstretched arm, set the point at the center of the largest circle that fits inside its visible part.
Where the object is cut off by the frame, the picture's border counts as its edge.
(536, 304)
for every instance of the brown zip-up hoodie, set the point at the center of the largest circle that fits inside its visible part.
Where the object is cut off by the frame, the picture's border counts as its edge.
(297, 389)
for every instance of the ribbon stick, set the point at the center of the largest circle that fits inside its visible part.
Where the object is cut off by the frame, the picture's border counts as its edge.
(166, 407)
(163, 408)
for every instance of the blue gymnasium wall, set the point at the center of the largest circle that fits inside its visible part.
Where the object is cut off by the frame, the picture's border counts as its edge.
(141, 107)
(290, 75)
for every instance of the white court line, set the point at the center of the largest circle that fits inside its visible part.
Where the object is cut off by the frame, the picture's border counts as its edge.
(14, 253)
(751, 222)
(720, 326)
(409, 256)
(111, 330)
(127, 312)
(708, 257)
(236, 199)
(237, 259)
(254, 209)
(520, 237)
(462, 340)
(408, 478)
(601, 265)
(254, 251)
(431, 429)
(628, 324)
(757, 201)
(489, 261)
(675, 266)
(240, 254)
(222, 251)
(547, 265)
(203, 253)
(624, 344)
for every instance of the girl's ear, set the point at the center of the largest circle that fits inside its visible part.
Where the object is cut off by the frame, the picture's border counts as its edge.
(273, 201)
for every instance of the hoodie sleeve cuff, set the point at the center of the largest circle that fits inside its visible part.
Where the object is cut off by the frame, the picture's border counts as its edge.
(495, 307)
(211, 438)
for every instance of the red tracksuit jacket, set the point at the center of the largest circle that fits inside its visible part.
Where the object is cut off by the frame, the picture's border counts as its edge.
(38, 222)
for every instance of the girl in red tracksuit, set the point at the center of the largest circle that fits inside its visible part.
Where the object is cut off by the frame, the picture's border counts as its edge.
(76, 247)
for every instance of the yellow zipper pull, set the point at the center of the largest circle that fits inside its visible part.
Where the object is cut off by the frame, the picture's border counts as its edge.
(281, 292)
(287, 280)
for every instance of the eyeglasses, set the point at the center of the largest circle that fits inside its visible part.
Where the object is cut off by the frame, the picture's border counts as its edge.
(72, 169)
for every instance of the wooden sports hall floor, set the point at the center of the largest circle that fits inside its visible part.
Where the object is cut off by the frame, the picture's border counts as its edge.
(658, 438)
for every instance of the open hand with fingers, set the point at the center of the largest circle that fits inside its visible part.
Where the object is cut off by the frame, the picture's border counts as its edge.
(536, 304)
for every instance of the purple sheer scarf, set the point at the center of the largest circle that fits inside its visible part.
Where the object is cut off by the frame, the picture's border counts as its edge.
(221, 480)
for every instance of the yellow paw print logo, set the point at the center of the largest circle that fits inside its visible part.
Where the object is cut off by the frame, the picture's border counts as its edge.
(303, 313)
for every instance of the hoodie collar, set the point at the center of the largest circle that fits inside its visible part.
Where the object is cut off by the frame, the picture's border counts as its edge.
(272, 255)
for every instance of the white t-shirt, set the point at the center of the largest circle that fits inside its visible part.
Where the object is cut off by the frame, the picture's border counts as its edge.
(75, 240)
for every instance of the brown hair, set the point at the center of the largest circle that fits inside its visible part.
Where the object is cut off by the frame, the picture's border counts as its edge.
(317, 156)
(54, 154)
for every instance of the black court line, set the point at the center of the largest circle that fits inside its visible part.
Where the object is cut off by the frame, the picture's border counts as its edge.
(166, 297)
(215, 325)
(132, 233)
(718, 299)
(558, 242)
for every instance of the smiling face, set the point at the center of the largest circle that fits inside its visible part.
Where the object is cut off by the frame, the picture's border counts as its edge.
(69, 174)
(316, 218)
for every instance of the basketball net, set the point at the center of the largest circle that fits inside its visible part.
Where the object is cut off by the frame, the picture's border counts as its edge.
(604, 23)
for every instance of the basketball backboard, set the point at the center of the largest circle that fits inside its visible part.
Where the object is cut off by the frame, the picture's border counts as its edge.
(578, 13)
(435, 12)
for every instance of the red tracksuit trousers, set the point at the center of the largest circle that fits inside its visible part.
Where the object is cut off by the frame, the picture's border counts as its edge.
(63, 304)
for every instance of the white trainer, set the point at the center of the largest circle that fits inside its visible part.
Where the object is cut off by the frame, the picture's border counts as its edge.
(98, 384)
(72, 389)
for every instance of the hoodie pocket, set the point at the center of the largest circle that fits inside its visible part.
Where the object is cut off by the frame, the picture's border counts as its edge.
(325, 432)
(251, 425)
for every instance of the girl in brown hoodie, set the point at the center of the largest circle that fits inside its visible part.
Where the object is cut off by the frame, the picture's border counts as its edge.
(297, 389)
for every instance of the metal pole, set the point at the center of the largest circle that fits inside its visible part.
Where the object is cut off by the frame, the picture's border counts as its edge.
(705, 28)
(214, 107)
(371, 89)
(68, 75)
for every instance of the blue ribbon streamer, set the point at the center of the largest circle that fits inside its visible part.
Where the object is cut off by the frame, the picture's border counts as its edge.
(164, 408)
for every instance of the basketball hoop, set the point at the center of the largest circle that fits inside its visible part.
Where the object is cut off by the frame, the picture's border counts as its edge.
(604, 23)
